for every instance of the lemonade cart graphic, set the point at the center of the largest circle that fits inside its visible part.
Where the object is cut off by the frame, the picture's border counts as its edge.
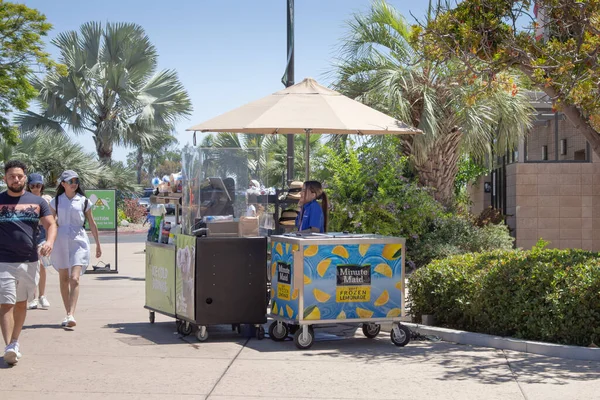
(336, 279)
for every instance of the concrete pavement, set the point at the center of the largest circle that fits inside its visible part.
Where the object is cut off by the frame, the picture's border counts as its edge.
(115, 352)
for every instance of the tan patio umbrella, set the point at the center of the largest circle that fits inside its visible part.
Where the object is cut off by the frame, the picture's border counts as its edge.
(306, 107)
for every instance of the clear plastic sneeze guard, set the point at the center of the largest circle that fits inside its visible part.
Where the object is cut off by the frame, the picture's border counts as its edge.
(225, 192)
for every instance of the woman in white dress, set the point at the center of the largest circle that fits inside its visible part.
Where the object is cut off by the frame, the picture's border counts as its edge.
(71, 254)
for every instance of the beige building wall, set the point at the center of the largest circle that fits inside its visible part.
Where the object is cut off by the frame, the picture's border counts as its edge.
(559, 202)
(479, 199)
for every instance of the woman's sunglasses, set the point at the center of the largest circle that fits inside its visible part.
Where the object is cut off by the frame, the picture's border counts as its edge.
(36, 186)
(74, 181)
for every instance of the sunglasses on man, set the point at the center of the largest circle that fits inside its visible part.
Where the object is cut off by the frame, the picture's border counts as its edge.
(36, 185)
(74, 181)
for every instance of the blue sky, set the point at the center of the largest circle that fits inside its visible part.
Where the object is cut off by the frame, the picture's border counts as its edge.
(226, 52)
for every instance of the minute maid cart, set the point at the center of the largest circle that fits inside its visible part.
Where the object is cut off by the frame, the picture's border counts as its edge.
(336, 278)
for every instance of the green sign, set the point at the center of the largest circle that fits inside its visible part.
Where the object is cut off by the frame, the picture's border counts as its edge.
(160, 278)
(186, 270)
(104, 208)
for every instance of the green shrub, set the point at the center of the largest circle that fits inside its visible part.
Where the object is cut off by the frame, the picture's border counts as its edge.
(456, 234)
(121, 215)
(547, 295)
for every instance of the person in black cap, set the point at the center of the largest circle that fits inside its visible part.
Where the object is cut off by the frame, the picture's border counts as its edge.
(72, 251)
(35, 185)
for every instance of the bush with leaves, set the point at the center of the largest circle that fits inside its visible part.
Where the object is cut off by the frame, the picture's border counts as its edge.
(370, 193)
(547, 295)
(134, 212)
(455, 234)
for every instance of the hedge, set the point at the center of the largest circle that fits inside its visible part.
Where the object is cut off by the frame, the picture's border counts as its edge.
(545, 295)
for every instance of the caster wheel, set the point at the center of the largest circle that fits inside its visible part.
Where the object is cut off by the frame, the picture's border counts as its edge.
(304, 342)
(260, 333)
(278, 332)
(202, 334)
(185, 328)
(152, 317)
(402, 338)
(178, 324)
(371, 330)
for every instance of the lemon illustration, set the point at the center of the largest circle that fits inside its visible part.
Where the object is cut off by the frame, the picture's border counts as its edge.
(279, 249)
(320, 295)
(310, 251)
(340, 251)
(289, 310)
(281, 311)
(362, 313)
(312, 312)
(362, 249)
(394, 312)
(307, 280)
(384, 298)
(273, 270)
(398, 285)
(391, 251)
(274, 308)
(295, 294)
(322, 266)
(287, 248)
(384, 270)
(341, 315)
(295, 247)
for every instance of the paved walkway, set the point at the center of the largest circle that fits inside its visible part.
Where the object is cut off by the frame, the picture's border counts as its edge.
(115, 353)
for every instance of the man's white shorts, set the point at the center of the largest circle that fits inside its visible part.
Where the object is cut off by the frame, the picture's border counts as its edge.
(18, 281)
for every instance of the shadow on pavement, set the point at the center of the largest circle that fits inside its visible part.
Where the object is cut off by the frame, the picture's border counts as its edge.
(166, 333)
(118, 278)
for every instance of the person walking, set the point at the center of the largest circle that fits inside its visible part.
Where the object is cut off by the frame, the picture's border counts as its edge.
(35, 185)
(20, 215)
(71, 255)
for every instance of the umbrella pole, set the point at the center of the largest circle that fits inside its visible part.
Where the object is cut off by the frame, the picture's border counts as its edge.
(307, 151)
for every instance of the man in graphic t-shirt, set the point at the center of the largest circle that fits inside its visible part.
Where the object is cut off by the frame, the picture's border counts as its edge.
(20, 214)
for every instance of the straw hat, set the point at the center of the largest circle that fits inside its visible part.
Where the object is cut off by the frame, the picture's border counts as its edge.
(288, 217)
(294, 190)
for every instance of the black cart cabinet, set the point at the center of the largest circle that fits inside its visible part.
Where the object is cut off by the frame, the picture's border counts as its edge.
(231, 281)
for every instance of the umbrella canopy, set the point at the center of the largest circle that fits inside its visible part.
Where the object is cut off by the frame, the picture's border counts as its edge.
(306, 107)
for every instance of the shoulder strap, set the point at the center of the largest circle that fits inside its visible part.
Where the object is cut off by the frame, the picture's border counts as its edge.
(85, 206)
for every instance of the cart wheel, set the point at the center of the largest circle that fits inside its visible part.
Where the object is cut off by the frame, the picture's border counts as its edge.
(304, 342)
(152, 317)
(402, 338)
(185, 328)
(260, 333)
(202, 334)
(371, 330)
(278, 332)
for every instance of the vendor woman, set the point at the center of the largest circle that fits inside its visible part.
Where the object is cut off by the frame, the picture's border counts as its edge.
(313, 216)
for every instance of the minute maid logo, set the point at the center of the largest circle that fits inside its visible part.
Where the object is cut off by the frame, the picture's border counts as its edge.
(353, 283)
(98, 202)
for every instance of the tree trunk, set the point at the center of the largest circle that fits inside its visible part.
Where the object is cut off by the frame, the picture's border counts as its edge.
(572, 113)
(104, 149)
(139, 164)
(439, 170)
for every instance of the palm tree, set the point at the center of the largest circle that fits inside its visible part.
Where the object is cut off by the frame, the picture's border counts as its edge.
(380, 67)
(49, 153)
(112, 90)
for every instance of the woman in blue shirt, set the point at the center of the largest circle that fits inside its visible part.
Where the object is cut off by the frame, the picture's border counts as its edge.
(313, 216)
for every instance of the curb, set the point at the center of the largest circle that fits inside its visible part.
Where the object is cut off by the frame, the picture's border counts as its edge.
(504, 343)
(107, 233)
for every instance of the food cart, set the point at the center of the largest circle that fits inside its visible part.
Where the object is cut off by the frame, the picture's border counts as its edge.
(213, 271)
(336, 278)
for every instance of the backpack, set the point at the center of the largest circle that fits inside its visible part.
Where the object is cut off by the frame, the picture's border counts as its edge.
(85, 206)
